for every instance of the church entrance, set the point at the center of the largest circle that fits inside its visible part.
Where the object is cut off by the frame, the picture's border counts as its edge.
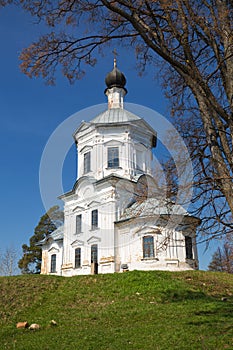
(94, 259)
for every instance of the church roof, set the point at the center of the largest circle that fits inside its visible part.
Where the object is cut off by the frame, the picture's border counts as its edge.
(153, 206)
(56, 235)
(115, 115)
(115, 78)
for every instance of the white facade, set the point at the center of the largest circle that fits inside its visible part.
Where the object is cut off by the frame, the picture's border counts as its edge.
(113, 223)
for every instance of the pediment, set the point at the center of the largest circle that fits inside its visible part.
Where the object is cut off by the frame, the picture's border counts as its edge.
(86, 149)
(78, 208)
(53, 250)
(93, 204)
(83, 184)
(148, 229)
(83, 126)
(77, 243)
(93, 239)
(113, 142)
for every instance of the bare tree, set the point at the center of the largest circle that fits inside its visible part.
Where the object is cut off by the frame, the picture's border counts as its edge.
(208, 201)
(8, 262)
(222, 259)
(191, 41)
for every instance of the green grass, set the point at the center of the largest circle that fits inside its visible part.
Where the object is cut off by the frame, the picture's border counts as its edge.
(133, 310)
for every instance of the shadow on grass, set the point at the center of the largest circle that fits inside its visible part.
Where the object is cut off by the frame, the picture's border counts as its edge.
(182, 295)
(221, 309)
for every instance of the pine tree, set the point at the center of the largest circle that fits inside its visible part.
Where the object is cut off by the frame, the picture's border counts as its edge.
(31, 259)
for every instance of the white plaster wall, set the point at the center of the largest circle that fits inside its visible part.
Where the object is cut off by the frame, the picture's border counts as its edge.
(104, 200)
(54, 247)
(128, 138)
(171, 256)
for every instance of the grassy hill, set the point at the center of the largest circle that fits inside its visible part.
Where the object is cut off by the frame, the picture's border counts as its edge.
(133, 310)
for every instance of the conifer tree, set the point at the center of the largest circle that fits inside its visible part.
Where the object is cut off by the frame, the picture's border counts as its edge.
(31, 259)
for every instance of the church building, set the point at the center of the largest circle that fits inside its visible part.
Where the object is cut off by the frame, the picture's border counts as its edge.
(113, 219)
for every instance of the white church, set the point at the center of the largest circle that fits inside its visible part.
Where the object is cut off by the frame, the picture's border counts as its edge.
(113, 221)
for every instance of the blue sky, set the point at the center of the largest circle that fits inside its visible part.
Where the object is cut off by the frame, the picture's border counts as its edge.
(30, 111)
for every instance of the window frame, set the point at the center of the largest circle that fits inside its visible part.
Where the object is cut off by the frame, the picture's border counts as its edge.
(188, 247)
(139, 160)
(53, 263)
(77, 258)
(113, 160)
(94, 219)
(87, 162)
(148, 248)
(78, 223)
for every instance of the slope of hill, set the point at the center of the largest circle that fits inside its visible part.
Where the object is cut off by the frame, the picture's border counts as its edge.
(133, 310)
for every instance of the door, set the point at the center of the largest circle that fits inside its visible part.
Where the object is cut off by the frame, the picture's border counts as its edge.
(94, 259)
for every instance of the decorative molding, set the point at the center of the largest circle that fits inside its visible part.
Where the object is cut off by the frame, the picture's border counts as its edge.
(78, 208)
(147, 230)
(93, 203)
(77, 243)
(53, 250)
(107, 259)
(93, 239)
(86, 149)
(113, 142)
(67, 266)
(85, 263)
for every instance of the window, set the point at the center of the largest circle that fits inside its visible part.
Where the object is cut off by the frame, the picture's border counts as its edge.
(148, 247)
(53, 263)
(79, 223)
(77, 254)
(189, 247)
(113, 157)
(94, 219)
(139, 160)
(87, 162)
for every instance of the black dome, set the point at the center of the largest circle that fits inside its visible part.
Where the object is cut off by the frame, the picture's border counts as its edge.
(115, 79)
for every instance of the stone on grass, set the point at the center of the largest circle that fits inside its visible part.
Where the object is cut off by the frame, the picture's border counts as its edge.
(22, 325)
(53, 323)
(34, 327)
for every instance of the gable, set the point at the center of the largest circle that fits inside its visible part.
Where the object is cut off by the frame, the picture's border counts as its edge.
(113, 142)
(86, 149)
(82, 184)
(53, 250)
(77, 243)
(93, 240)
(83, 126)
(78, 208)
(93, 204)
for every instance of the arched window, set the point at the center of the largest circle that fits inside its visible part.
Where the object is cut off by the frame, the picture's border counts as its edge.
(148, 247)
(53, 263)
